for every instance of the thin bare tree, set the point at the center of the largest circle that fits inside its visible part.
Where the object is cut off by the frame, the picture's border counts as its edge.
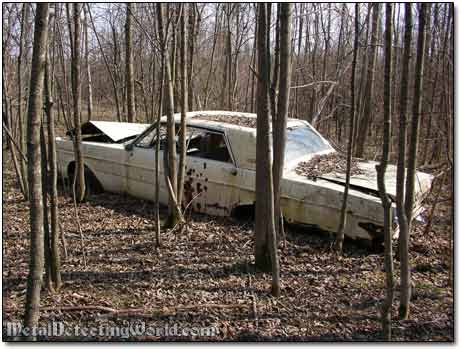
(280, 123)
(402, 218)
(55, 258)
(89, 85)
(36, 263)
(381, 172)
(79, 170)
(343, 218)
(170, 168)
(266, 257)
(365, 117)
(404, 309)
(129, 65)
(22, 123)
(184, 103)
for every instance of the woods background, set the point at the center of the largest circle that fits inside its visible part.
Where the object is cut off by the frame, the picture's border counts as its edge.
(132, 62)
(221, 49)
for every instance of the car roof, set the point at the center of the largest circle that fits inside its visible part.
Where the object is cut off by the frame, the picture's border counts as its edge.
(222, 120)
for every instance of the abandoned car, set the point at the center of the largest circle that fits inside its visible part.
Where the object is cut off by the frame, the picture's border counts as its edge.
(220, 170)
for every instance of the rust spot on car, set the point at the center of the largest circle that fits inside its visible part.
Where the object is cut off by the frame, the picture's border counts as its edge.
(188, 190)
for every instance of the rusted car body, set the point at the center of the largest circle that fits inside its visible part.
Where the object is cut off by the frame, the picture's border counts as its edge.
(220, 172)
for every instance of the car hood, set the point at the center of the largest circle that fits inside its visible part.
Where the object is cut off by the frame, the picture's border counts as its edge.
(367, 179)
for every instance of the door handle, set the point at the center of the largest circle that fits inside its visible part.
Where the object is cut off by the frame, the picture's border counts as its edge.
(233, 171)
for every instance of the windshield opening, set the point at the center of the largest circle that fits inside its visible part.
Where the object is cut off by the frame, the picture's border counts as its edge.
(302, 141)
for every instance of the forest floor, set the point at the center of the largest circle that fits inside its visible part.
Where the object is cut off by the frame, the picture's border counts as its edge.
(203, 275)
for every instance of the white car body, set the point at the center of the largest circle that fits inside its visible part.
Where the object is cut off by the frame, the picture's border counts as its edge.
(218, 187)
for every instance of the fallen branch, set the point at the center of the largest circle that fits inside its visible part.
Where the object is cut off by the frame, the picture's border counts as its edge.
(322, 104)
(432, 166)
(8, 133)
(314, 83)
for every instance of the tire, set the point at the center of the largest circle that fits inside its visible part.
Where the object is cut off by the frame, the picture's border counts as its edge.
(92, 185)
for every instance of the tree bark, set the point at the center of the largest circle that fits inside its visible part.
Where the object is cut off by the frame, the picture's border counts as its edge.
(280, 124)
(89, 84)
(404, 309)
(174, 215)
(343, 218)
(275, 75)
(157, 154)
(381, 171)
(79, 173)
(55, 262)
(35, 278)
(184, 104)
(12, 145)
(213, 49)
(402, 218)
(194, 22)
(265, 240)
(46, 222)
(21, 121)
(366, 117)
(131, 110)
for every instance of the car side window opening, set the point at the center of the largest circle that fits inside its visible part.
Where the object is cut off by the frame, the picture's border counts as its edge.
(208, 145)
(200, 143)
(149, 140)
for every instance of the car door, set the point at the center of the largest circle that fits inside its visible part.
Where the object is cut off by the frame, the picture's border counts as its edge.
(210, 184)
(140, 168)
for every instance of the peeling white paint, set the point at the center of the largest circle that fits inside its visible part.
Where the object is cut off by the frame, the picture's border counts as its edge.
(217, 187)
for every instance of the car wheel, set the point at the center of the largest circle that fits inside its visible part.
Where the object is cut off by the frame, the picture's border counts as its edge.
(92, 185)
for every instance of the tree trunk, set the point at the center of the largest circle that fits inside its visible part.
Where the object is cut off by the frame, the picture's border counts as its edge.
(343, 218)
(46, 222)
(402, 218)
(174, 215)
(184, 104)
(34, 282)
(157, 154)
(79, 173)
(275, 74)
(193, 29)
(404, 309)
(22, 123)
(55, 262)
(87, 66)
(363, 74)
(129, 65)
(381, 171)
(213, 49)
(366, 118)
(265, 240)
(8, 121)
(280, 124)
